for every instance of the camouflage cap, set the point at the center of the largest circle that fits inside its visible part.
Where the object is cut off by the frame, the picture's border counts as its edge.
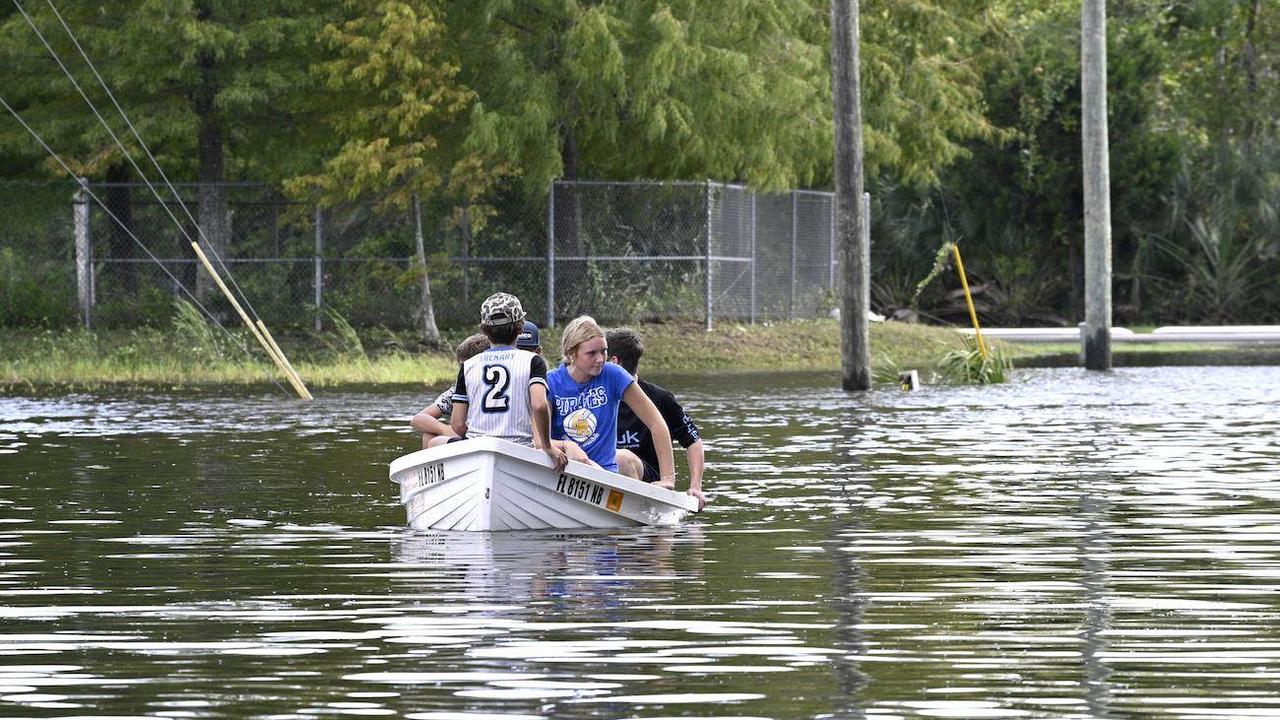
(501, 309)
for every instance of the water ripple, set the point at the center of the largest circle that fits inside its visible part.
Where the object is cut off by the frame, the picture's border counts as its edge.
(1069, 544)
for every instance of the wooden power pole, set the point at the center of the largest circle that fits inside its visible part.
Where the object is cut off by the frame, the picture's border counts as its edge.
(855, 255)
(1097, 186)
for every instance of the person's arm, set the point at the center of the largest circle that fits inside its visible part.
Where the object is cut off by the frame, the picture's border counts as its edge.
(697, 459)
(648, 414)
(540, 411)
(684, 431)
(428, 422)
(458, 420)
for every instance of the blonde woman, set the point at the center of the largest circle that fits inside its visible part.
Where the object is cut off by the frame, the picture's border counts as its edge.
(588, 390)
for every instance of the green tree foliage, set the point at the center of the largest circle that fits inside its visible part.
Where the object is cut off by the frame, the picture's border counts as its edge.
(218, 90)
(922, 84)
(1225, 64)
(732, 90)
(397, 127)
(972, 114)
(614, 89)
(1223, 223)
(1017, 202)
(176, 66)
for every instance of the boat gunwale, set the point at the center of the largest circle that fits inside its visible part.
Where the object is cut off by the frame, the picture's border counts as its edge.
(537, 457)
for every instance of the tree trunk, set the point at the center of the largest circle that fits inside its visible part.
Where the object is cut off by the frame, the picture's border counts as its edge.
(466, 254)
(572, 202)
(1139, 267)
(120, 245)
(426, 311)
(213, 215)
(1249, 59)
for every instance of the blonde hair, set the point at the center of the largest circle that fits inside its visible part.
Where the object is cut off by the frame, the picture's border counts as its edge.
(578, 331)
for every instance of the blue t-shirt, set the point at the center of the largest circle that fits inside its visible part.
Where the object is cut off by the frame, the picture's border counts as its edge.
(587, 413)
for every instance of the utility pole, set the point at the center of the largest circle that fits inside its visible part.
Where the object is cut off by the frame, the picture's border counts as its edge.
(855, 253)
(1097, 186)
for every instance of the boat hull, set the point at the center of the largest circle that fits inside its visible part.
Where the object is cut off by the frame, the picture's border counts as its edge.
(484, 484)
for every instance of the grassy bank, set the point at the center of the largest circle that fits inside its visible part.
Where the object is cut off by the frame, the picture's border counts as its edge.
(190, 356)
(174, 357)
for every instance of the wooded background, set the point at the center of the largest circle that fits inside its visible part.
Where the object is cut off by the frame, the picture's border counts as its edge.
(971, 111)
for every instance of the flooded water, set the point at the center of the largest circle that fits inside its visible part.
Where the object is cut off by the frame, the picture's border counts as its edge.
(1066, 545)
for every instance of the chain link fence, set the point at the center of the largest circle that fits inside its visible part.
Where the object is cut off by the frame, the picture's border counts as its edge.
(621, 251)
(664, 250)
(297, 263)
(37, 260)
(135, 248)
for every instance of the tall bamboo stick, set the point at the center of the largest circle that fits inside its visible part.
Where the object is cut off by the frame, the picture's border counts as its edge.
(293, 378)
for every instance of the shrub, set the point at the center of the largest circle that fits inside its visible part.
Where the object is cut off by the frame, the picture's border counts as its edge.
(35, 293)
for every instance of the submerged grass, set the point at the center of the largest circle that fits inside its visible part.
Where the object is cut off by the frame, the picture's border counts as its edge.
(185, 355)
(971, 365)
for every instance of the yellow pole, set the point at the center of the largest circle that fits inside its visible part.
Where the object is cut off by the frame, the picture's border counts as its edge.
(968, 298)
(267, 333)
(298, 387)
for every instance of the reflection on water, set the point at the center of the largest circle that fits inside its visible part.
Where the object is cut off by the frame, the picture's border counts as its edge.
(1066, 545)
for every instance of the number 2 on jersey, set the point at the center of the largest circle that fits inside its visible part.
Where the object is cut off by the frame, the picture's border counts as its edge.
(497, 378)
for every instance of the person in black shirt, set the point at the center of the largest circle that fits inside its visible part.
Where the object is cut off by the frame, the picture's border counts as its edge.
(634, 441)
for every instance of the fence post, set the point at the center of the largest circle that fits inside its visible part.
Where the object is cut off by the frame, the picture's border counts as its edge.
(319, 270)
(753, 257)
(791, 302)
(707, 250)
(84, 254)
(551, 256)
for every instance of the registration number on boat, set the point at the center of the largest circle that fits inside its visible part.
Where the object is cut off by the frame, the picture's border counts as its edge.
(423, 477)
(580, 489)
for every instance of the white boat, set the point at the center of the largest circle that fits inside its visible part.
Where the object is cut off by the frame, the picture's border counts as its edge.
(492, 484)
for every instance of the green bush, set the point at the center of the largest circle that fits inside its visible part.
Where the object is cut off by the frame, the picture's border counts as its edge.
(35, 293)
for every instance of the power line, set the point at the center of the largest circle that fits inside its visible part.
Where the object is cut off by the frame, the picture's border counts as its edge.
(120, 144)
(259, 330)
(92, 68)
(84, 186)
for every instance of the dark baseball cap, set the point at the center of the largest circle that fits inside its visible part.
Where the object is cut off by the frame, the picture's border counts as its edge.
(528, 337)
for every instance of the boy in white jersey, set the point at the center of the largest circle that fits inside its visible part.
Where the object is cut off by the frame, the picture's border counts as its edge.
(502, 392)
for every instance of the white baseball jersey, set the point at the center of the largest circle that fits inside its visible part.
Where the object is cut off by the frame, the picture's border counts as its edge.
(495, 385)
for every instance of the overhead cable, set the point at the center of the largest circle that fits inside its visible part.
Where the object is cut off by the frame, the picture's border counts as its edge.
(84, 186)
(141, 143)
